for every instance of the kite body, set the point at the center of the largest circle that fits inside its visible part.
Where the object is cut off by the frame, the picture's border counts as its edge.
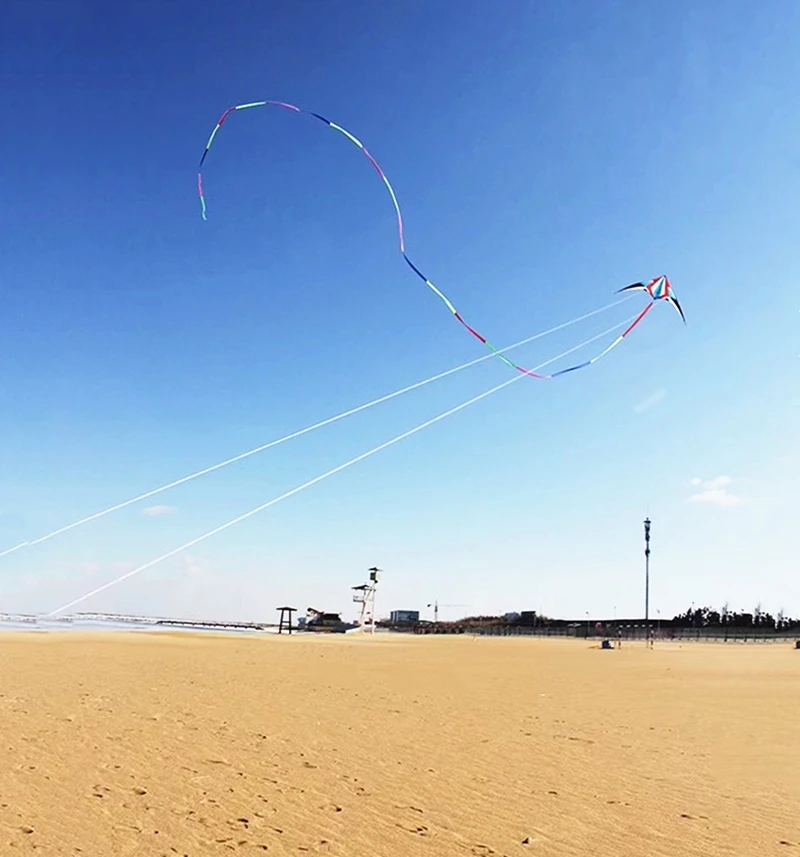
(658, 288)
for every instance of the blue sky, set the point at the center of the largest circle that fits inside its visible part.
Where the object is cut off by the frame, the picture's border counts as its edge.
(545, 155)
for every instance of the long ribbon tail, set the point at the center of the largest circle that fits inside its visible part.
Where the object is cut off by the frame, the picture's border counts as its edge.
(605, 351)
(401, 237)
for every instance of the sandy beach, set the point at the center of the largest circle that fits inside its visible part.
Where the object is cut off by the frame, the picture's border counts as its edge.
(190, 745)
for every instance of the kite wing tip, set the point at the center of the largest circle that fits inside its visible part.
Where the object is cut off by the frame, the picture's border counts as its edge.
(678, 307)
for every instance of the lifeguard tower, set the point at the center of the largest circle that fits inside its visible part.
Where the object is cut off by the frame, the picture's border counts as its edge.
(364, 595)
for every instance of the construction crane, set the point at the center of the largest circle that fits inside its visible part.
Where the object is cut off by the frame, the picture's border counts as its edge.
(436, 607)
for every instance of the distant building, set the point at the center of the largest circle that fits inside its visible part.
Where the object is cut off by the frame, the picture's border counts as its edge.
(404, 617)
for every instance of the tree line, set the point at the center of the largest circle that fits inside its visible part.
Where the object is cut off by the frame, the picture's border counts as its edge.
(708, 617)
(693, 618)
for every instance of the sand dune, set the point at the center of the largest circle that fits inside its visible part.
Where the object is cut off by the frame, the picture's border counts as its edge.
(155, 744)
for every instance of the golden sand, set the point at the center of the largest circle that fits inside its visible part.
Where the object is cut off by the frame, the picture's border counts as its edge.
(156, 744)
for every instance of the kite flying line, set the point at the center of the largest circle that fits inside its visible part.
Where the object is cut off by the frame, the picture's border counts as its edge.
(299, 432)
(658, 289)
(322, 476)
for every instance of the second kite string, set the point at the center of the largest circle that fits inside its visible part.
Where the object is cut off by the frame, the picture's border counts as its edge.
(325, 475)
(306, 430)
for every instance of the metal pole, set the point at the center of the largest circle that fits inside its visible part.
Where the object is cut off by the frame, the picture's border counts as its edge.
(647, 577)
(374, 575)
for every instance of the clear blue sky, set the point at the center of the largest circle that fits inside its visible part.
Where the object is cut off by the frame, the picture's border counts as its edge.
(545, 155)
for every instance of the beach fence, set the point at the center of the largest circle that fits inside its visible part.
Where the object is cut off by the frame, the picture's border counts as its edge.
(628, 633)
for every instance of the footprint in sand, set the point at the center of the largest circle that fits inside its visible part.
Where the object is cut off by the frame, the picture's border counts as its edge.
(574, 738)
(417, 830)
(538, 838)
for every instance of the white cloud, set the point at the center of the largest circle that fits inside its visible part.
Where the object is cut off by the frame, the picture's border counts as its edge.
(152, 511)
(650, 401)
(192, 566)
(87, 569)
(714, 492)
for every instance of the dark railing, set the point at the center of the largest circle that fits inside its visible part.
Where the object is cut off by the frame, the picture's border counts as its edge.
(709, 635)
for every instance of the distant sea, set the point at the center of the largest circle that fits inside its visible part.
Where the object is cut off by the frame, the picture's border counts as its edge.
(55, 625)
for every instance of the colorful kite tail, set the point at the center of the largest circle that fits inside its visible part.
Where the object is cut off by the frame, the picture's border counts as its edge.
(401, 238)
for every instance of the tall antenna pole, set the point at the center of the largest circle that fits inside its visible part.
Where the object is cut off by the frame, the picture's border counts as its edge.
(647, 576)
(374, 574)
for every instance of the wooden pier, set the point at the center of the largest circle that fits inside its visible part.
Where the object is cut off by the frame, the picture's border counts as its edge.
(200, 623)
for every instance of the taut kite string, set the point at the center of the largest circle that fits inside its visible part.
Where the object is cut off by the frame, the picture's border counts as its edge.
(299, 432)
(316, 479)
